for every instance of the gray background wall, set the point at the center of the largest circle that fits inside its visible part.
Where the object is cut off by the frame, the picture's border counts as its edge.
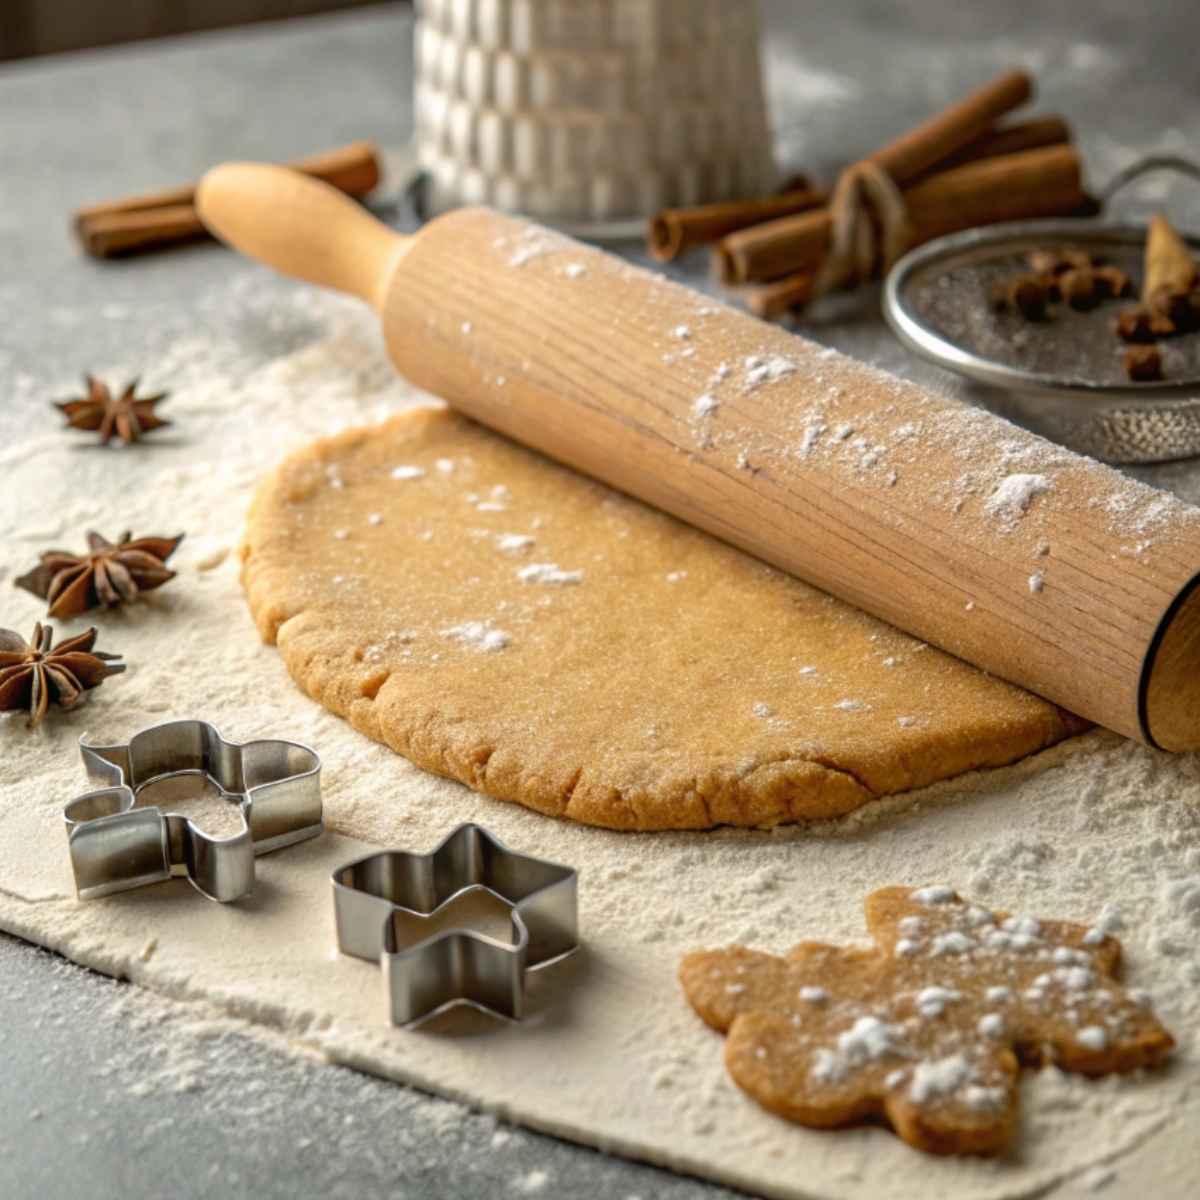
(29, 27)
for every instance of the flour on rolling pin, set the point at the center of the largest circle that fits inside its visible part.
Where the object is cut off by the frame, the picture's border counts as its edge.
(929, 513)
(920, 510)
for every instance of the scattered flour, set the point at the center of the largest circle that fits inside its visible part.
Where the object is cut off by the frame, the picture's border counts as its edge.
(531, 1183)
(1113, 822)
(771, 368)
(479, 635)
(530, 244)
(549, 573)
(1012, 498)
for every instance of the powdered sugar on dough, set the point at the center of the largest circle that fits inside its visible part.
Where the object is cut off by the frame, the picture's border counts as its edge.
(478, 635)
(549, 573)
(1096, 822)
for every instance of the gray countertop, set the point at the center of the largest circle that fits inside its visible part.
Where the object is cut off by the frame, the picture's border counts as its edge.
(86, 1104)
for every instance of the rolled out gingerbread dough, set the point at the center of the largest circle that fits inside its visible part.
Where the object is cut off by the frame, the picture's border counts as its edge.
(506, 622)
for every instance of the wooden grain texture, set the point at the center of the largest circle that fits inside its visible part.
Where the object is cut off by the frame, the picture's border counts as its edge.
(1172, 698)
(572, 364)
(1034, 563)
(300, 226)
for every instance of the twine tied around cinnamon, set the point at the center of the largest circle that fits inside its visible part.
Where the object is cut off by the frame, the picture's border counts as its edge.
(870, 227)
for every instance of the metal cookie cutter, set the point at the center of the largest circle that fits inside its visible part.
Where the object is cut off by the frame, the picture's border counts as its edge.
(373, 895)
(116, 846)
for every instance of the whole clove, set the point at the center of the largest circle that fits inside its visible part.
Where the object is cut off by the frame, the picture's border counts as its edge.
(1026, 294)
(1056, 260)
(1143, 364)
(1112, 282)
(1140, 325)
(1080, 289)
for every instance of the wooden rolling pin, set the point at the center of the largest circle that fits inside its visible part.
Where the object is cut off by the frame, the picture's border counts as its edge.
(1034, 563)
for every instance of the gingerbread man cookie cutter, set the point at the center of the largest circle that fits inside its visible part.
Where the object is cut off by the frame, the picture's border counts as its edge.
(115, 844)
(375, 896)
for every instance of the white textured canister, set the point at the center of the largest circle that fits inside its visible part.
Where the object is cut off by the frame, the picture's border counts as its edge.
(590, 111)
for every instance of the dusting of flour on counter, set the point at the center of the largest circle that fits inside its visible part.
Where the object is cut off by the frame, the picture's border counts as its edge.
(164, 1064)
(1095, 826)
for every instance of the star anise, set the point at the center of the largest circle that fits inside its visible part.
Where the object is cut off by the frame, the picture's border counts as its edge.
(35, 672)
(108, 574)
(127, 416)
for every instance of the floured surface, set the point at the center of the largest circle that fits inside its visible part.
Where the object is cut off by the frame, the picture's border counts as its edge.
(504, 621)
(616, 1057)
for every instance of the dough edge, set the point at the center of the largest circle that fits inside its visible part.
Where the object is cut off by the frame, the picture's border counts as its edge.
(772, 792)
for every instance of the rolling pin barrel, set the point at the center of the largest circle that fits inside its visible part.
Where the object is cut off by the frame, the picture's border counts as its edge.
(1040, 566)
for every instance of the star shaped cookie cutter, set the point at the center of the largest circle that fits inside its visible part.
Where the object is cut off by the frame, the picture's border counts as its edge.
(116, 845)
(373, 895)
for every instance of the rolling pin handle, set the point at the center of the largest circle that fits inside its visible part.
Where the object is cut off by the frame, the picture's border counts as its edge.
(301, 227)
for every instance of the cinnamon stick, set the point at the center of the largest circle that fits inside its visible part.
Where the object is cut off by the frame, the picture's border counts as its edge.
(980, 194)
(914, 152)
(948, 132)
(1010, 139)
(110, 235)
(156, 219)
(773, 300)
(1170, 301)
(676, 230)
(953, 128)
(1035, 183)
(1170, 269)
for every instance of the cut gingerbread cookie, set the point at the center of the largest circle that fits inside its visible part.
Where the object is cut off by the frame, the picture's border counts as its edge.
(929, 1028)
(509, 623)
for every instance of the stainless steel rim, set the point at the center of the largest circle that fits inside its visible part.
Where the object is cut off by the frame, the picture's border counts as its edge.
(919, 337)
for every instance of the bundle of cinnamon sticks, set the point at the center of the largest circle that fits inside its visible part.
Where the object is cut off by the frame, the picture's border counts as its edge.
(959, 169)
